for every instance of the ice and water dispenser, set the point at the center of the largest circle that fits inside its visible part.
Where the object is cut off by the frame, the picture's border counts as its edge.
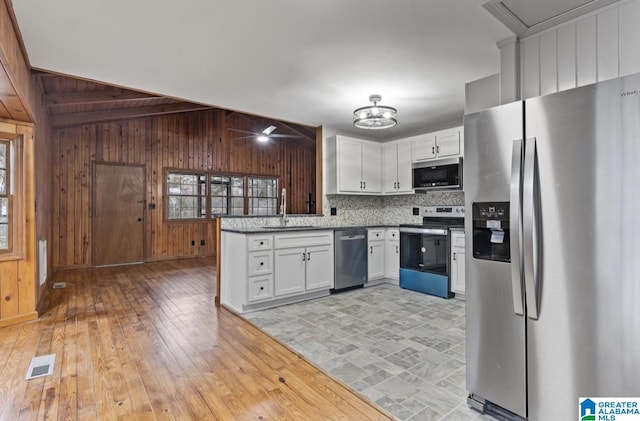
(491, 231)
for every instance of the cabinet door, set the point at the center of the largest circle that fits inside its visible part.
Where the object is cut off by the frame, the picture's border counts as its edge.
(349, 165)
(457, 262)
(371, 167)
(405, 184)
(319, 268)
(457, 270)
(423, 147)
(390, 167)
(392, 260)
(376, 260)
(289, 271)
(448, 143)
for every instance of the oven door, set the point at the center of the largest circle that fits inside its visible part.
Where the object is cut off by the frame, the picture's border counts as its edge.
(424, 260)
(424, 249)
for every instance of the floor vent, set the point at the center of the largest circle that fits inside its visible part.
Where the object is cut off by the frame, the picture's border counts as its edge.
(59, 285)
(41, 366)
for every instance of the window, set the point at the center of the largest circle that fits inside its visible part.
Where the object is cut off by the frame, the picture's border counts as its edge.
(263, 196)
(6, 213)
(190, 196)
(227, 195)
(186, 196)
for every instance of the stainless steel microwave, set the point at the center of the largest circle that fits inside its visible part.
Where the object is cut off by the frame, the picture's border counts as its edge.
(441, 174)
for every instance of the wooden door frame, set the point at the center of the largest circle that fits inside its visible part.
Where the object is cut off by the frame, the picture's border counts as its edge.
(93, 206)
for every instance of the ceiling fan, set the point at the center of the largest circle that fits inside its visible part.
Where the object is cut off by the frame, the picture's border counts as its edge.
(264, 135)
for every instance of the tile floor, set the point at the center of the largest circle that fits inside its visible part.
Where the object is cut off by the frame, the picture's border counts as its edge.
(402, 349)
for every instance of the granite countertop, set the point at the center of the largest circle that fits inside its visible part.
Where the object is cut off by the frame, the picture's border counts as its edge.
(293, 228)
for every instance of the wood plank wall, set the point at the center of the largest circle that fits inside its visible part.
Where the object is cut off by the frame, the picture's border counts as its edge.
(43, 182)
(196, 140)
(17, 274)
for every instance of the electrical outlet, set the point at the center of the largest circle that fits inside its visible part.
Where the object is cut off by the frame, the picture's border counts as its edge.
(334, 211)
(202, 242)
(416, 211)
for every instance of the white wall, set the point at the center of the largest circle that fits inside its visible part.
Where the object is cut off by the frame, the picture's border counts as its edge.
(602, 45)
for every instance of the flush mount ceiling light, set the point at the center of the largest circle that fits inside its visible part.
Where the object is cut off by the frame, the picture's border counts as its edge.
(375, 116)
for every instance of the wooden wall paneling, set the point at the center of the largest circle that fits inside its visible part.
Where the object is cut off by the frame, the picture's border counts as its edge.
(9, 297)
(629, 38)
(81, 207)
(189, 141)
(16, 65)
(607, 44)
(88, 155)
(27, 265)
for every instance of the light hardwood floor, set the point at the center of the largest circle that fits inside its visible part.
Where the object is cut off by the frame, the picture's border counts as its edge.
(146, 342)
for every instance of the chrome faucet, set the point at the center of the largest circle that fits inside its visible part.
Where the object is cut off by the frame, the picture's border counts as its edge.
(283, 206)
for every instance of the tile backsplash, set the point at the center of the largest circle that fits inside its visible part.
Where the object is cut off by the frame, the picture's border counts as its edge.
(359, 210)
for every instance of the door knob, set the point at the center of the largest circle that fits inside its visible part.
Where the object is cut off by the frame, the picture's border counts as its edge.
(139, 219)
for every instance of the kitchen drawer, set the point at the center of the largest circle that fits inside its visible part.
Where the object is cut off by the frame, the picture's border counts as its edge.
(260, 242)
(375, 234)
(260, 263)
(457, 238)
(393, 234)
(260, 287)
(303, 239)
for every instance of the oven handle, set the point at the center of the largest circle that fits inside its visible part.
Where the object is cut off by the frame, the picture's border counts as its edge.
(431, 231)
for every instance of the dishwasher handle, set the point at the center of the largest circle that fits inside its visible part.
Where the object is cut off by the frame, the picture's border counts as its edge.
(351, 238)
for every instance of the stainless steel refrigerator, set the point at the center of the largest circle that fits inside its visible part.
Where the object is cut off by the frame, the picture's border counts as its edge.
(552, 193)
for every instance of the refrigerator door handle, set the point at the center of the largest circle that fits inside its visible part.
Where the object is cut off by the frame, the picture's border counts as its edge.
(528, 229)
(515, 227)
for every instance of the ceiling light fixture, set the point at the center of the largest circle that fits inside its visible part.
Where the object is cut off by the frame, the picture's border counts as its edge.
(375, 116)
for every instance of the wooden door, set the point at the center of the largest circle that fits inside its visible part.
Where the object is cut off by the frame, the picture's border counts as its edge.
(118, 217)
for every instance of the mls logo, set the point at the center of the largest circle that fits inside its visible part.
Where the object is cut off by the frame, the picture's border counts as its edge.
(587, 410)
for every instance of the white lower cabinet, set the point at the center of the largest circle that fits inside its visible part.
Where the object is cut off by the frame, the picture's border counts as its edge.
(263, 270)
(375, 249)
(392, 255)
(457, 262)
(292, 271)
(303, 269)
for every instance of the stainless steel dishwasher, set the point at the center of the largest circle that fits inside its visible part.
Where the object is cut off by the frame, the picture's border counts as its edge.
(351, 258)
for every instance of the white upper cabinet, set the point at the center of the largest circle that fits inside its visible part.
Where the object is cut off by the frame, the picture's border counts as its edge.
(396, 169)
(445, 143)
(353, 166)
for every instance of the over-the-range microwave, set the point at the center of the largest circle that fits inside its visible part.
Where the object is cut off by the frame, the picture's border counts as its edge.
(440, 174)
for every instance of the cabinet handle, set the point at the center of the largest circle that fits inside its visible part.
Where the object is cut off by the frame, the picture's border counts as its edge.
(396, 249)
(438, 149)
(261, 263)
(364, 183)
(398, 185)
(361, 185)
(454, 255)
(309, 256)
(261, 242)
(433, 150)
(261, 288)
(370, 250)
(304, 256)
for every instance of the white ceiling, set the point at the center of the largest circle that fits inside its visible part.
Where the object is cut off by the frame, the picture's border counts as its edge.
(303, 61)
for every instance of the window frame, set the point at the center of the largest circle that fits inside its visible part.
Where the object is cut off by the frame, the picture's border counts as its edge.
(208, 216)
(15, 192)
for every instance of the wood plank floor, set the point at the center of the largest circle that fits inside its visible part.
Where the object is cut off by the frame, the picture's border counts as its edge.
(145, 342)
